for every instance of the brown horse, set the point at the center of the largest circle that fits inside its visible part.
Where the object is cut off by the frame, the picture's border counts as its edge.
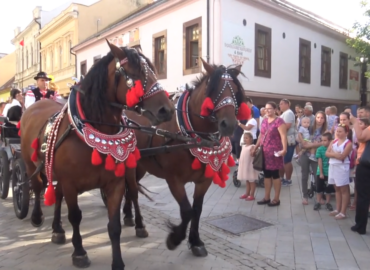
(95, 114)
(220, 92)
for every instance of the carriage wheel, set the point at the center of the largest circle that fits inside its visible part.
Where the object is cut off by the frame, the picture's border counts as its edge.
(236, 182)
(4, 174)
(21, 189)
(104, 197)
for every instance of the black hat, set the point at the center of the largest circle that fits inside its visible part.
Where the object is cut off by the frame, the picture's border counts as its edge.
(42, 75)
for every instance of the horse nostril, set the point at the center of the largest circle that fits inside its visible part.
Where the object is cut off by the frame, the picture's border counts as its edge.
(223, 124)
(165, 112)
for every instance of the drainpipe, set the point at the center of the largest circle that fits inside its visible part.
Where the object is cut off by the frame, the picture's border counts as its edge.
(208, 34)
(39, 43)
(70, 51)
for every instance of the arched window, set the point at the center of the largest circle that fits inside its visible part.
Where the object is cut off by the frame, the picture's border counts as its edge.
(52, 60)
(60, 57)
(69, 49)
(32, 55)
(26, 58)
(44, 63)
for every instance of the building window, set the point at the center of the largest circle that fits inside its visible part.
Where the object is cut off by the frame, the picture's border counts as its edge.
(160, 54)
(52, 60)
(26, 58)
(32, 55)
(70, 55)
(192, 39)
(343, 71)
(60, 57)
(304, 61)
(45, 62)
(83, 68)
(325, 66)
(262, 65)
(96, 59)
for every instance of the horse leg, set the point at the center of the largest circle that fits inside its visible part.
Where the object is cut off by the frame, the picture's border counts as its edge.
(197, 245)
(128, 218)
(58, 235)
(37, 217)
(178, 233)
(79, 256)
(114, 199)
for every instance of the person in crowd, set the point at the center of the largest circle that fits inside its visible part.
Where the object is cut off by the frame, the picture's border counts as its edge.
(347, 110)
(235, 139)
(344, 119)
(2, 106)
(322, 185)
(263, 114)
(246, 172)
(297, 109)
(250, 126)
(15, 100)
(339, 169)
(327, 111)
(304, 136)
(308, 112)
(332, 117)
(273, 141)
(289, 119)
(318, 129)
(364, 112)
(255, 111)
(362, 179)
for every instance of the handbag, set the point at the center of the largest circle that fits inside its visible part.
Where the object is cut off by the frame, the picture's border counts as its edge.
(365, 157)
(258, 161)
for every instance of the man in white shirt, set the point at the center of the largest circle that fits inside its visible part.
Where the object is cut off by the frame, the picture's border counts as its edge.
(262, 113)
(15, 97)
(289, 119)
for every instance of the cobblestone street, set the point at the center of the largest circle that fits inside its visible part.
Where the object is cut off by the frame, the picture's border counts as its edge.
(300, 238)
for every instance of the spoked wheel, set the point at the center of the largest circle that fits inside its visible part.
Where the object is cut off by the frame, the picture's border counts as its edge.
(236, 182)
(4, 174)
(21, 189)
(104, 197)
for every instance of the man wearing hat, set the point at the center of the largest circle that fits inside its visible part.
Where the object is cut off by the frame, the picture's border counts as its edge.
(41, 92)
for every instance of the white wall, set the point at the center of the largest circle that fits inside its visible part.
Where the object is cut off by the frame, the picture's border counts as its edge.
(173, 22)
(285, 52)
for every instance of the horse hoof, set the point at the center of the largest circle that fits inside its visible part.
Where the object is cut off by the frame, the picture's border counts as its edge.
(58, 238)
(142, 233)
(36, 222)
(128, 222)
(199, 251)
(81, 261)
(170, 245)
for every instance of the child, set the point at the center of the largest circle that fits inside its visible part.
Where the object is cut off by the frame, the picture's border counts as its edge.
(246, 172)
(304, 135)
(322, 174)
(363, 123)
(339, 167)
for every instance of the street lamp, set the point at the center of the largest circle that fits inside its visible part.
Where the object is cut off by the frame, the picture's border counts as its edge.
(363, 90)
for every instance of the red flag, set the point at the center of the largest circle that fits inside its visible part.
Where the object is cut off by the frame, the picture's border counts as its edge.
(21, 43)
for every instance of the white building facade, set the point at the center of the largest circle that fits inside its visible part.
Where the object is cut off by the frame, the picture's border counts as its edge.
(284, 53)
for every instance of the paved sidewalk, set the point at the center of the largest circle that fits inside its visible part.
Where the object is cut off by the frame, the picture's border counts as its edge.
(301, 238)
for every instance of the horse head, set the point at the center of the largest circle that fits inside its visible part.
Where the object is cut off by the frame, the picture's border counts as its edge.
(222, 98)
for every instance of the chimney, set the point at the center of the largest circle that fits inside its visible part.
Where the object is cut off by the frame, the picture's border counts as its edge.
(37, 12)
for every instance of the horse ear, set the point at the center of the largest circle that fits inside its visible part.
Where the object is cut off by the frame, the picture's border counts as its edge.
(207, 67)
(238, 68)
(117, 52)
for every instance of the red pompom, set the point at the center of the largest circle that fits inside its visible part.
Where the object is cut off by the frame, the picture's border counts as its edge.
(222, 184)
(35, 144)
(96, 158)
(137, 154)
(120, 170)
(19, 125)
(19, 133)
(138, 89)
(168, 95)
(207, 107)
(196, 165)
(49, 195)
(244, 112)
(131, 161)
(131, 98)
(34, 156)
(110, 164)
(216, 179)
(209, 171)
(225, 169)
(224, 177)
(230, 161)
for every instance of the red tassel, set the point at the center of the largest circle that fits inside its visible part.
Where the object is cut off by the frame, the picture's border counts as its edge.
(19, 133)
(230, 161)
(207, 107)
(168, 95)
(244, 112)
(224, 177)
(225, 169)
(138, 89)
(131, 161)
(196, 165)
(137, 154)
(120, 170)
(222, 184)
(35, 146)
(96, 158)
(110, 164)
(131, 98)
(49, 195)
(216, 179)
(209, 171)
(19, 125)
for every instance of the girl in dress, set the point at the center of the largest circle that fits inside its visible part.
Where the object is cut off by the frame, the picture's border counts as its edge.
(339, 168)
(246, 172)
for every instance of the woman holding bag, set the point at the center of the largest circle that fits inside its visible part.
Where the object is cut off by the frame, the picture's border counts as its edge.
(274, 146)
(362, 176)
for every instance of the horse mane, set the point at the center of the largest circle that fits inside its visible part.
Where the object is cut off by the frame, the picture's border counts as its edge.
(215, 78)
(94, 85)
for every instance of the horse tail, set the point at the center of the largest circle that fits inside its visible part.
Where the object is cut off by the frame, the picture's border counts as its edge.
(143, 191)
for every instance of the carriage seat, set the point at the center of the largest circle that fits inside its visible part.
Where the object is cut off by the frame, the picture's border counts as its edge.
(9, 141)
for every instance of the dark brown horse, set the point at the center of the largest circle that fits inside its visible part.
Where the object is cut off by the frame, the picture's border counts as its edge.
(220, 92)
(95, 114)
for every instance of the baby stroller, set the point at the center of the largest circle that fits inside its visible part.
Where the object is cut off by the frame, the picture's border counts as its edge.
(260, 181)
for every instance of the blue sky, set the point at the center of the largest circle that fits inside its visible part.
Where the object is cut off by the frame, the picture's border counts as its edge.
(19, 13)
